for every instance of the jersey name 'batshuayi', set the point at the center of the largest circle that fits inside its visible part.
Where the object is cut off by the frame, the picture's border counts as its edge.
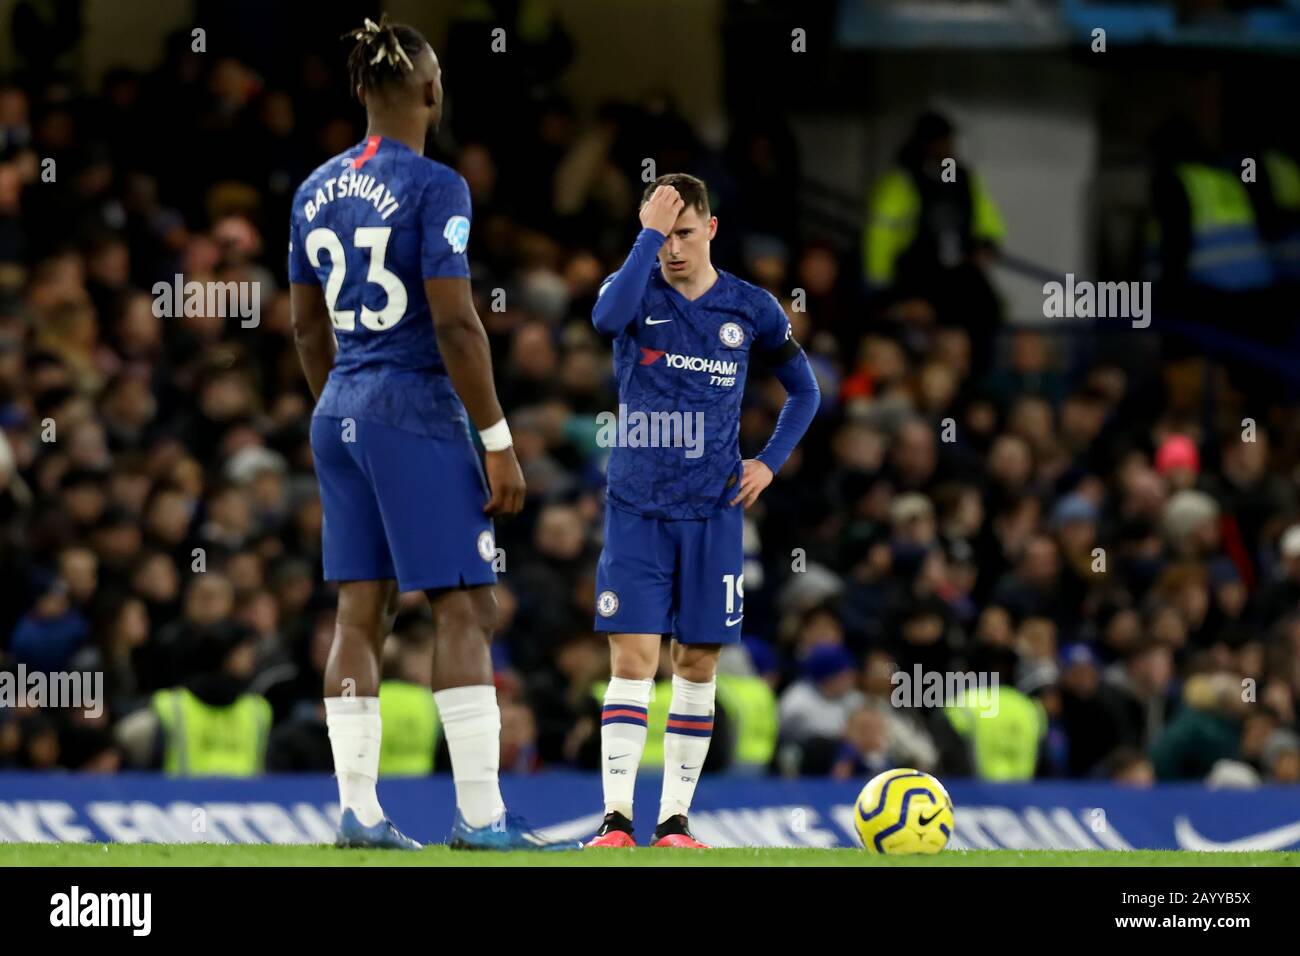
(369, 226)
(689, 356)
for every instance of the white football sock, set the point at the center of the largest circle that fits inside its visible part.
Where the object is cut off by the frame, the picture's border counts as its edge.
(686, 743)
(471, 720)
(622, 740)
(355, 734)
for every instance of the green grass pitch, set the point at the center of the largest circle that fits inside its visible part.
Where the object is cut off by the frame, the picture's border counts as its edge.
(101, 854)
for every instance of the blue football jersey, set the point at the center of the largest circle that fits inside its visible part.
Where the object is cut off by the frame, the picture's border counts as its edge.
(369, 226)
(692, 357)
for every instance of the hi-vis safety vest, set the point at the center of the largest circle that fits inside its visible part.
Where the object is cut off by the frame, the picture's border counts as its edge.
(893, 214)
(205, 741)
(751, 706)
(1226, 250)
(411, 725)
(1003, 727)
(1284, 178)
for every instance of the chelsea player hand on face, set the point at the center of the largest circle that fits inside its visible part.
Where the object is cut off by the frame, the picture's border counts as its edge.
(672, 564)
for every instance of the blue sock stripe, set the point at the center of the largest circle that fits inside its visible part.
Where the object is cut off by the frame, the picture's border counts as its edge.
(690, 725)
(623, 714)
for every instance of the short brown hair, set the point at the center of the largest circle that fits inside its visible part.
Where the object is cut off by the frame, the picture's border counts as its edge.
(692, 190)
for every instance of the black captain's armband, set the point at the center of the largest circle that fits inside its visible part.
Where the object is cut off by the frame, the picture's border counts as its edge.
(788, 350)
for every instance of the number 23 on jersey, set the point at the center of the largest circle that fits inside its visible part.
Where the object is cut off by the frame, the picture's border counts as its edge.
(374, 238)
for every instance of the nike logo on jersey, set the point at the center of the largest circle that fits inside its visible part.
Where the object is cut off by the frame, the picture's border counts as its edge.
(650, 321)
(616, 756)
(731, 623)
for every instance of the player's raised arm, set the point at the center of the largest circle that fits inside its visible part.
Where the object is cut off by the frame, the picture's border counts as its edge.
(620, 295)
(464, 346)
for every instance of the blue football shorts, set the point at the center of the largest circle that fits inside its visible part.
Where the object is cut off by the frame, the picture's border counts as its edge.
(679, 577)
(401, 505)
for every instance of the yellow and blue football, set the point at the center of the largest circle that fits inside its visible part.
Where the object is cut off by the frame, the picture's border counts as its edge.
(903, 811)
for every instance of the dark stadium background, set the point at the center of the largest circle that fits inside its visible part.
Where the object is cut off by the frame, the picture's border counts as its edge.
(880, 544)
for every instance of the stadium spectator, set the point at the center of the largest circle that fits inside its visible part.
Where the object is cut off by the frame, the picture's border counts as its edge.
(1129, 767)
(865, 751)
(931, 230)
(1091, 712)
(815, 710)
(1002, 728)
(905, 727)
(1281, 757)
(1205, 731)
(1281, 595)
(1144, 682)
(211, 725)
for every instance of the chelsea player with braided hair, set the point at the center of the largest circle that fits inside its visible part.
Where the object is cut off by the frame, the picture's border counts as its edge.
(672, 563)
(396, 356)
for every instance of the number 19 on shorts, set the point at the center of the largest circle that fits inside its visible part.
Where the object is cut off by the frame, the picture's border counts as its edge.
(735, 588)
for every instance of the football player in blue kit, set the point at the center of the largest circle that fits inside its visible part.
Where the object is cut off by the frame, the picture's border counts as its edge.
(396, 355)
(672, 563)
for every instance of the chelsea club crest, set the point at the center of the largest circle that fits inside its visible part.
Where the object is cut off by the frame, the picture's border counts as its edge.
(487, 546)
(607, 604)
(732, 335)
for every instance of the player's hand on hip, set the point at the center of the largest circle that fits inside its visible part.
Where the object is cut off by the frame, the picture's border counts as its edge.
(507, 483)
(662, 209)
(755, 476)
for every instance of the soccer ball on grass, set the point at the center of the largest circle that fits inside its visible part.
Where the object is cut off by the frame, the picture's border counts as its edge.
(903, 811)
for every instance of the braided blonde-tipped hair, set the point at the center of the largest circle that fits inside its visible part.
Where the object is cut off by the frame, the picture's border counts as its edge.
(383, 52)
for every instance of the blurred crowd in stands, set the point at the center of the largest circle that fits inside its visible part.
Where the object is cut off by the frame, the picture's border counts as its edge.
(1105, 520)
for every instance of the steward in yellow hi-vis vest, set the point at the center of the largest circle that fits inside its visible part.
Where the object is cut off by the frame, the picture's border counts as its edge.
(1003, 728)
(411, 727)
(900, 224)
(1226, 251)
(207, 740)
(1204, 230)
(1279, 211)
(930, 234)
(751, 704)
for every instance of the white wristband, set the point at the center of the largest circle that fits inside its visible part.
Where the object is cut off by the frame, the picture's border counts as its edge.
(497, 437)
